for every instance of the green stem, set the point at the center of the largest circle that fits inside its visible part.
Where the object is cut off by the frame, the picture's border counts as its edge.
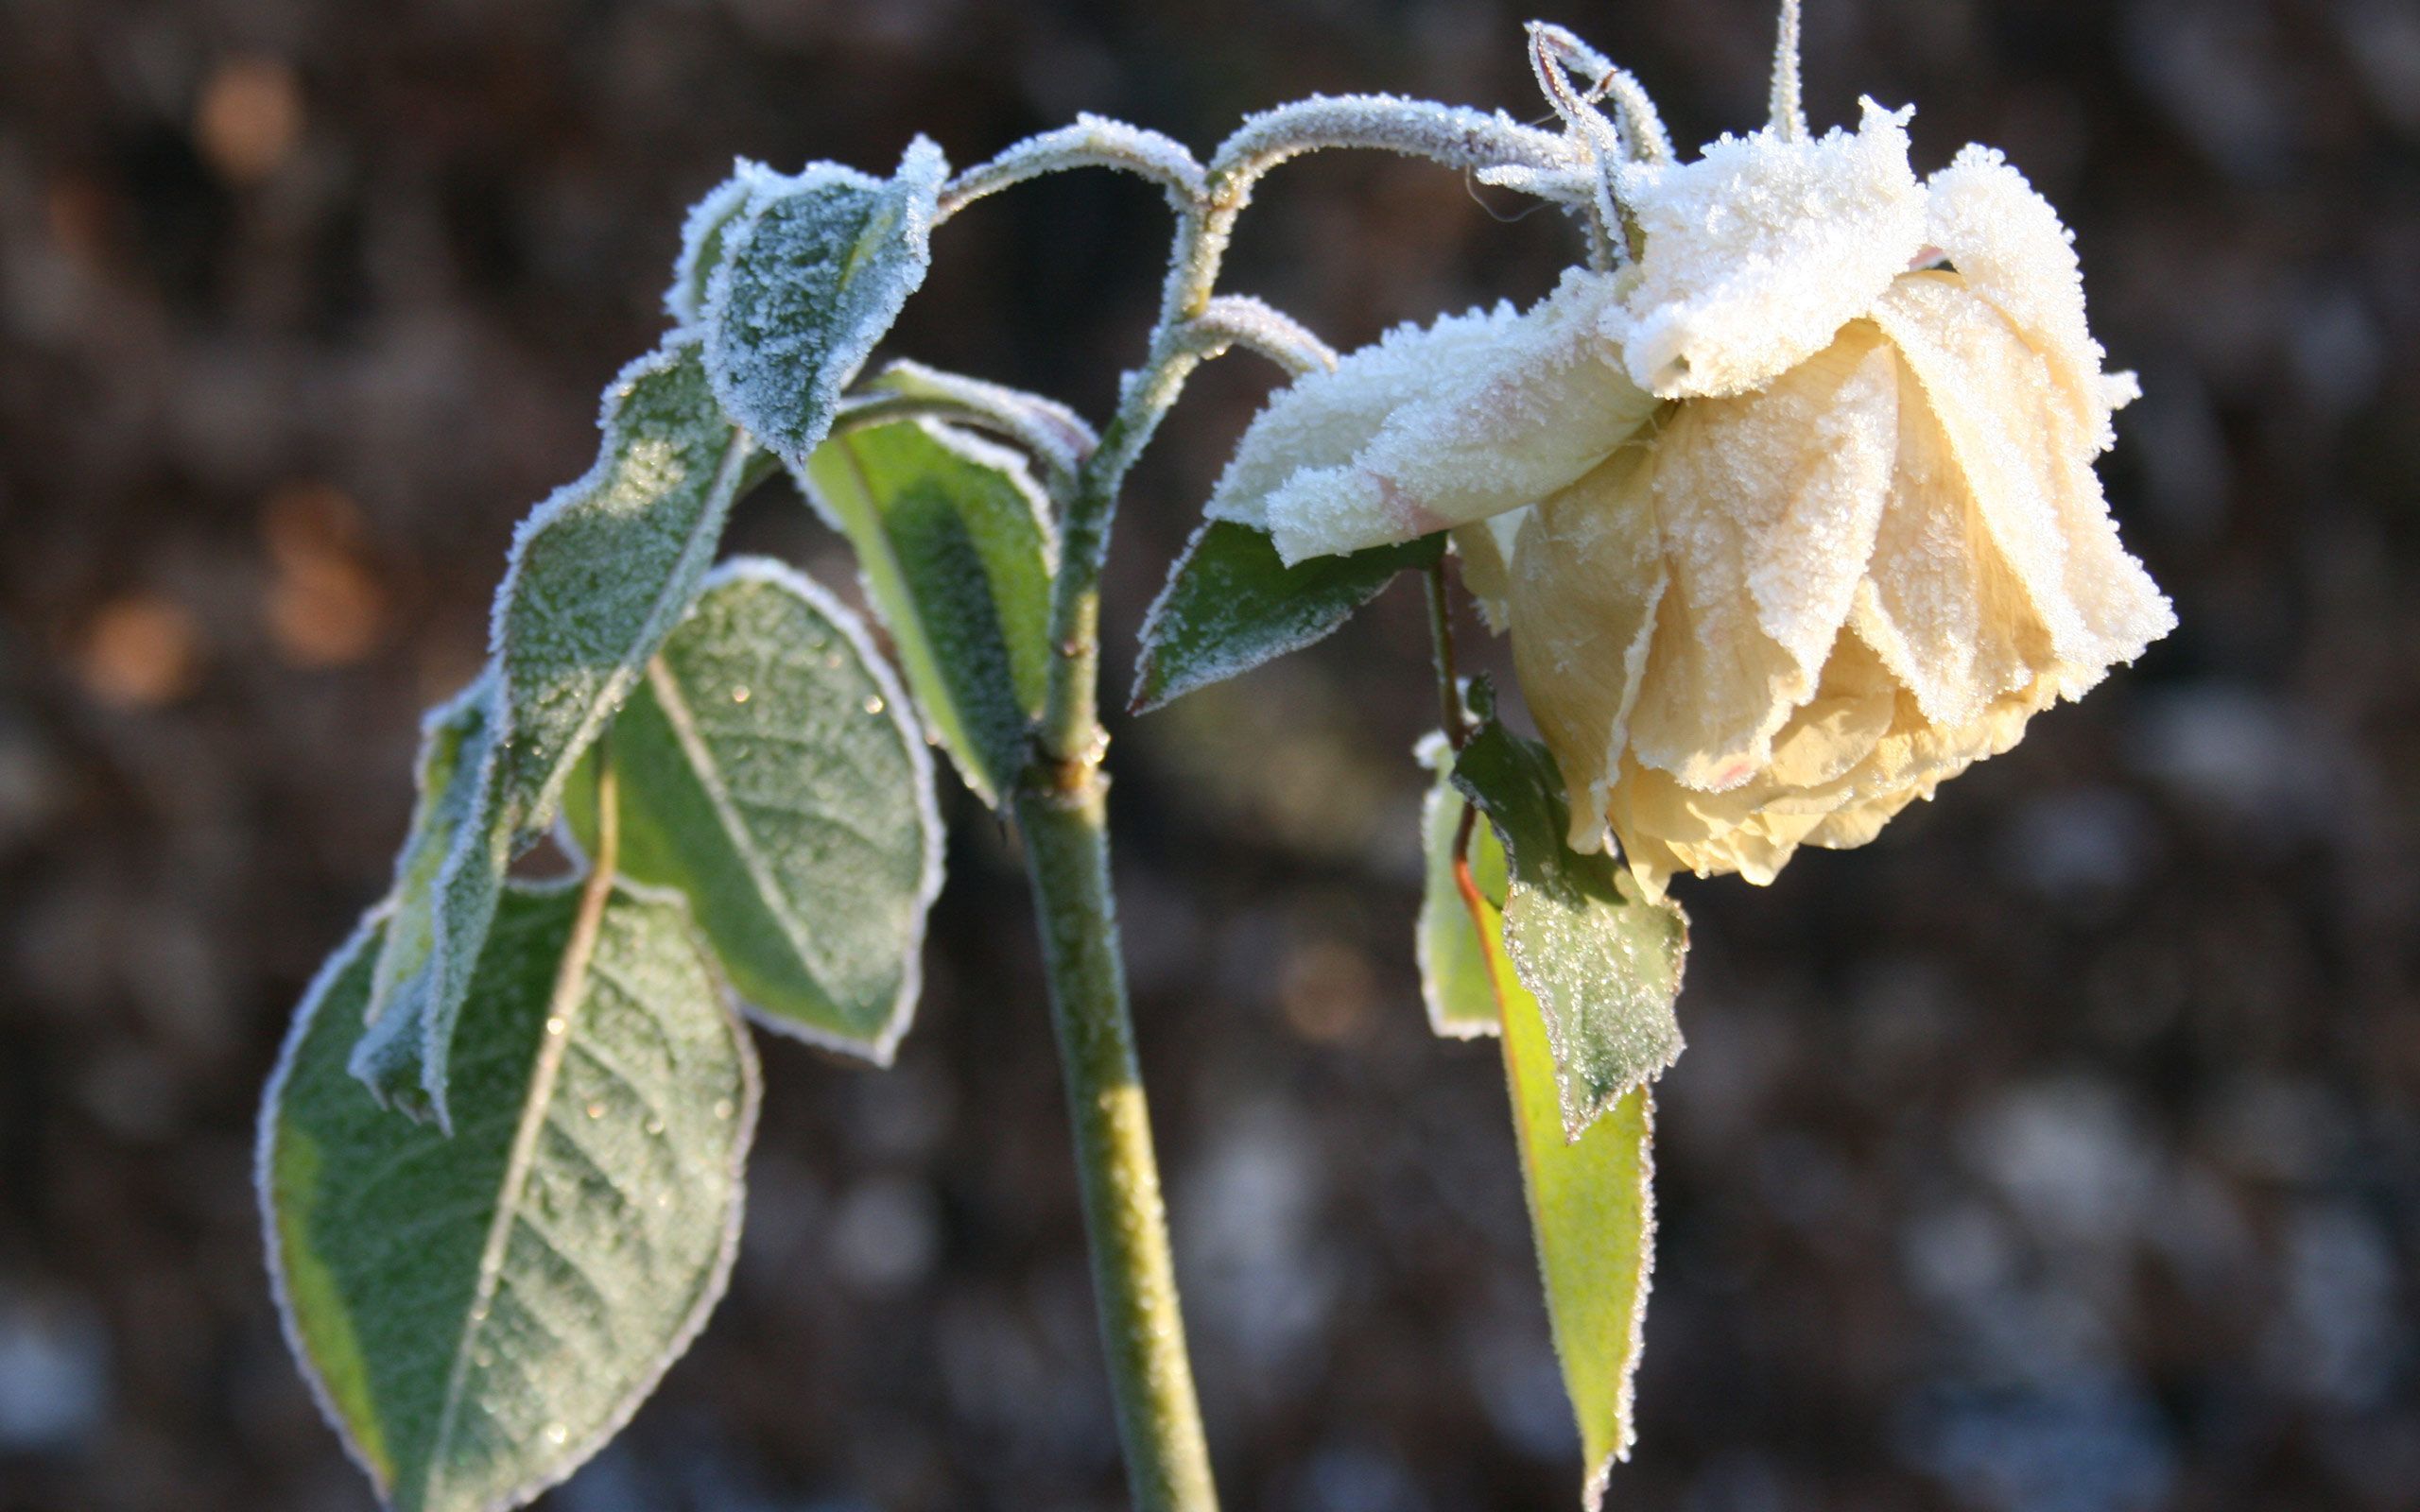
(1062, 815)
(1067, 847)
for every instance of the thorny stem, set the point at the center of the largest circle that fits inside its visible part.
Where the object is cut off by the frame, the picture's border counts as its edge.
(1061, 804)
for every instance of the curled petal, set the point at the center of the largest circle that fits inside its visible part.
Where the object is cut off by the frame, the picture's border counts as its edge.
(1322, 418)
(1767, 505)
(2008, 244)
(1435, 428)
(2027, 455)
(1586, 578)
(1486, 549)
(1758, 253)
(1939, 603)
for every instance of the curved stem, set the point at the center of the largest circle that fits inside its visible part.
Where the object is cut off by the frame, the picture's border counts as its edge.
(1060, 805)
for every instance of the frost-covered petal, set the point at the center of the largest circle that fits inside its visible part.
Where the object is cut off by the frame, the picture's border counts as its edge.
(1760, 251)
(2027, 454)
(1586, 578)
(1323, 418)
(2008, 244)
(1940, 604)
(1767, 505)
(1495, 425)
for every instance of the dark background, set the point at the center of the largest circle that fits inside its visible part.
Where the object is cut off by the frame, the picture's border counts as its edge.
(2060, 1152)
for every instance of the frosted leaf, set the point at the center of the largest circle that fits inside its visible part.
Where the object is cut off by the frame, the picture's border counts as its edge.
(1489, 426)
(1230, 605)
(1767, 505)
(477, 1315)
(769, 768)
(2028, 456)
(701, 237)
(1759, 251)
(2009, 245)
(816, 268)
(599, 574)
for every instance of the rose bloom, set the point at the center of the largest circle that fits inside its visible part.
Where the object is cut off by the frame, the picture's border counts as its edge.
(1790, 522)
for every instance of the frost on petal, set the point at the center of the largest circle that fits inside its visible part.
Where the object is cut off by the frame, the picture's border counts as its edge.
(1586, 578)
(2008, 244)
(1939, 603)
(1490, 427)
(2027, 455)
(1322, 418)
(1758, 253)
(1767, 505)
(1486, 547)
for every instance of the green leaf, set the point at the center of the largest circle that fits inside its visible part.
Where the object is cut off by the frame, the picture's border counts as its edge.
(1592, 1210)
(478, 1315)
(813, 271)
(599, 574)
(1604, 962)
(955, 543)
(769, 767)
(1230, 605)
(435, 895)
(1454, 976)
(1591, 1199)
(701, 237)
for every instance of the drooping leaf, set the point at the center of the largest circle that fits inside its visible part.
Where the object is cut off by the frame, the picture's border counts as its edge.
(769, 767)
(954, 543)
(814, 270)
(1454, 978)
(701, 237)
(478, 1313)
(1592, 1210)
(1591, 1199)
(456, 738)
(1604, 962)
(1230, 604)
(599, 574)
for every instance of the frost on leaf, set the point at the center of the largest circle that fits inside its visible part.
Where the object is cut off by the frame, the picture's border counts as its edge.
(599, 574)
(1603, 961)
(1761, 249)
(701, 237)
(477, 1314)
(955, 547)
(1431, 428)
(769, 767)
(815, 269)
(1230, 604)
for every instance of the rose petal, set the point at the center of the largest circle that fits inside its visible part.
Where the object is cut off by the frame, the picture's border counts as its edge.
(1759, 251)
(1767, 505)
(1486, 427)
(1586, 578)
(2027, 454)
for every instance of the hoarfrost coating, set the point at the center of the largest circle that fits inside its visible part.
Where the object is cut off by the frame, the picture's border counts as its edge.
(1791, 515)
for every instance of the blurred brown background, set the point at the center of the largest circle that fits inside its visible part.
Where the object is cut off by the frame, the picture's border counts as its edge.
(2059, 1153)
